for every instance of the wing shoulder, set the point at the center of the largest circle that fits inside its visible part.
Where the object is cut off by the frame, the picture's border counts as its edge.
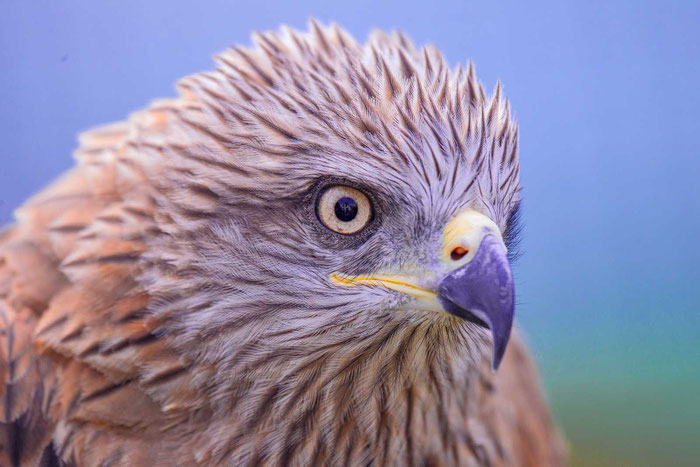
(514, 408)
(77, 348)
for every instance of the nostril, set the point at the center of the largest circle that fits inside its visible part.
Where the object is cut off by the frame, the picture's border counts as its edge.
(458, 253)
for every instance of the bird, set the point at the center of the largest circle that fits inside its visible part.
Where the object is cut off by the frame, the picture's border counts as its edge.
(304, 258)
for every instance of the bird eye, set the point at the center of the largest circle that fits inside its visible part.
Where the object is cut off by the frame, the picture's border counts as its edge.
(344, 210)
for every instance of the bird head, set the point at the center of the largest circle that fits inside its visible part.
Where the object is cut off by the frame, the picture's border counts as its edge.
(325, 197)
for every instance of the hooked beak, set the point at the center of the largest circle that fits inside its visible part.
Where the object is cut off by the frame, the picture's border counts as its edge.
(482, 291)
(475, 281)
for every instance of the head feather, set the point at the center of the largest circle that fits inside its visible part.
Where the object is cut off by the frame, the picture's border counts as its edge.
(321, 91)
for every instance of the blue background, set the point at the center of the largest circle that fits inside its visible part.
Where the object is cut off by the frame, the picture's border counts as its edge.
(607, 97)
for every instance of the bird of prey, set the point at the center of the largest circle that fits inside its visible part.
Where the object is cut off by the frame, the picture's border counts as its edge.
(302, 259)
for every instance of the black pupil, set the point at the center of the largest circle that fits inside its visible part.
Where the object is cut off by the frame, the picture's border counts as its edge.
(346, 209)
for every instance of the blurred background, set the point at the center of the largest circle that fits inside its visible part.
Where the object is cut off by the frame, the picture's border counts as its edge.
(607, 95)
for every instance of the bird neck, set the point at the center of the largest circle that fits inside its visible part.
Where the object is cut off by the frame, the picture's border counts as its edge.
(406, 390)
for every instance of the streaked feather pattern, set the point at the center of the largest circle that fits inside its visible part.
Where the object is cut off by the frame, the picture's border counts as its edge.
(154, 310)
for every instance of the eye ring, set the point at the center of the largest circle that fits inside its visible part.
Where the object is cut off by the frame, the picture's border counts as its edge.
(344, 210)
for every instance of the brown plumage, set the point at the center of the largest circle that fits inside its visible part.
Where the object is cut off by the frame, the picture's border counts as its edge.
(168, 302)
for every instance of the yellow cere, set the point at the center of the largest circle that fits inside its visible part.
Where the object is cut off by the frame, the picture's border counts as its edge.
(466, 230)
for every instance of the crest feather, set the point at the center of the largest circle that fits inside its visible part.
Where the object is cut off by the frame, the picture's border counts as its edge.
(386, 101)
